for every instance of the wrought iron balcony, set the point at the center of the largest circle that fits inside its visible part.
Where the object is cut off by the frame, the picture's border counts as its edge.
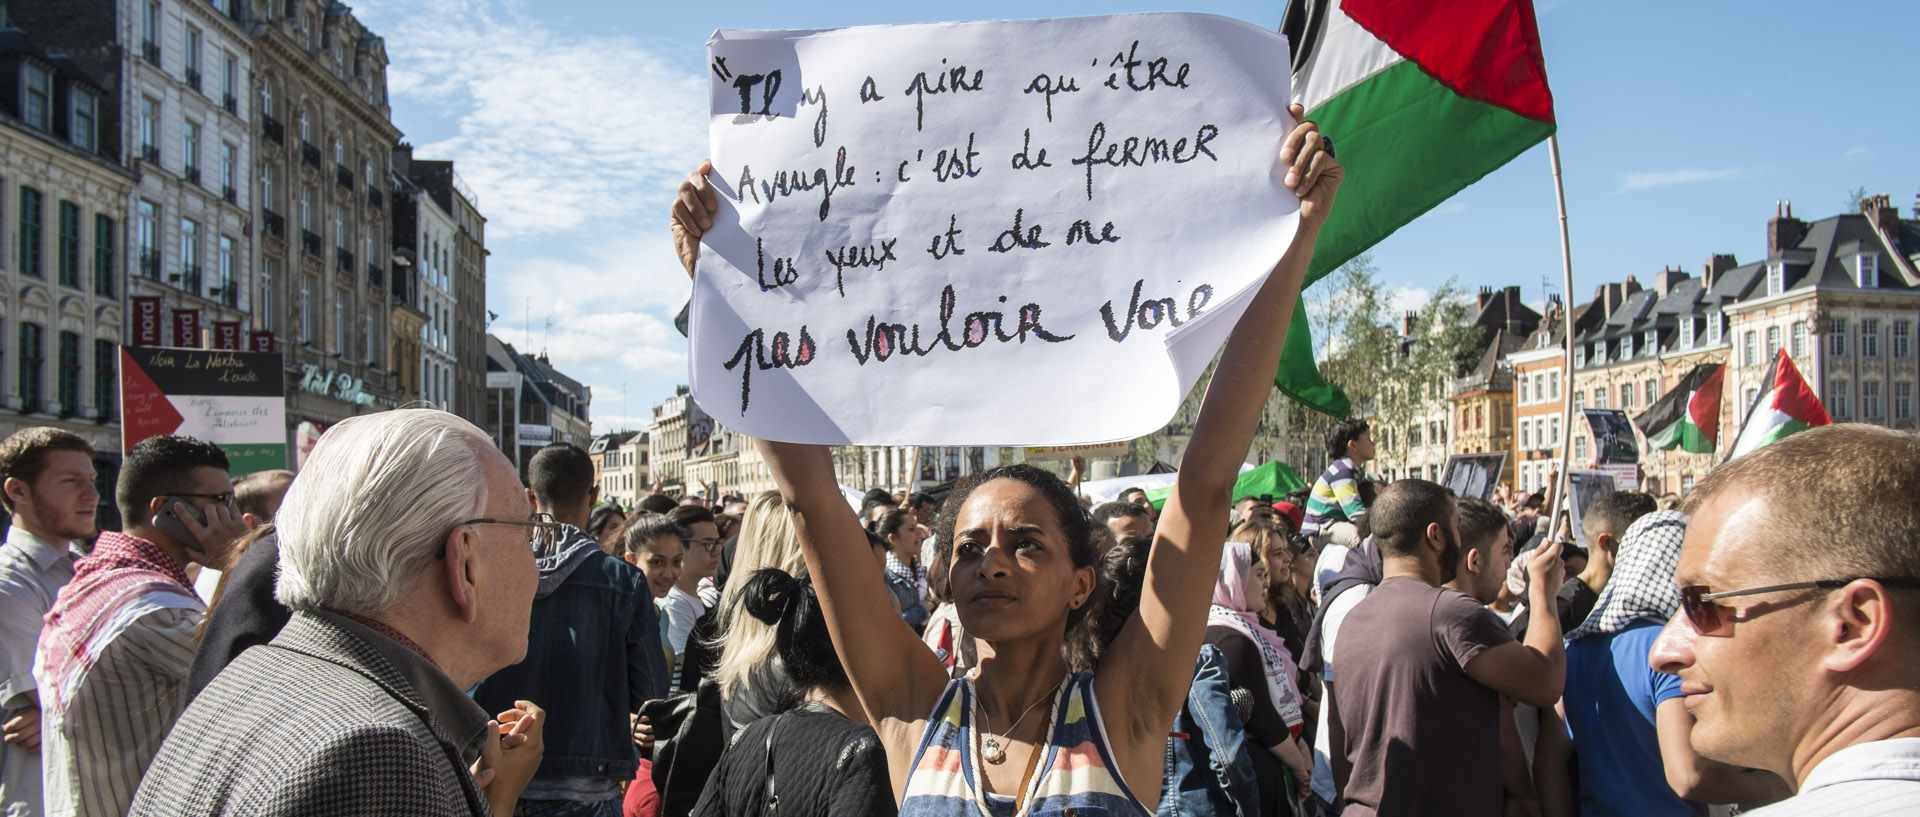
(150, 264)
(274, 223)
(376, 276)
(150, 153)
(272, 129)
(150, 51)
(310, 154)
(228, 102)
(188, 279)
(193, 78)
(310, 242)
(192, 174)
(342, 176)
(232, 196)
(375, 199)
(342, 258)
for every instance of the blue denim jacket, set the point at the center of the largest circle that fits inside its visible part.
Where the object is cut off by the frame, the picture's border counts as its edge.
(593, 657)
(1208, 771)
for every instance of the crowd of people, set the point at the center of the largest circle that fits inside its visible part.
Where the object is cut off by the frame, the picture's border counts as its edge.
(409, 627)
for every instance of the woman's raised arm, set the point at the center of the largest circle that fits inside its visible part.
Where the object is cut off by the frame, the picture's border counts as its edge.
(1150, 664)
(895, 675)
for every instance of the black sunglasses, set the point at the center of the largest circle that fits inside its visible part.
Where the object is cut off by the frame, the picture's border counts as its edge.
(1716, 621)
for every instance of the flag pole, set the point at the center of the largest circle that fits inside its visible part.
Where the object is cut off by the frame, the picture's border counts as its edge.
(1566, 349)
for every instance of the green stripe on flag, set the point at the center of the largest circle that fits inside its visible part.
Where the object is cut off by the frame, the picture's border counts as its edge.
(1780, 432)
(1409, 144)
(1691, 439)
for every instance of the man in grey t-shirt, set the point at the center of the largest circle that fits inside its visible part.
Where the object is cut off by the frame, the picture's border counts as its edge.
(1420, 686)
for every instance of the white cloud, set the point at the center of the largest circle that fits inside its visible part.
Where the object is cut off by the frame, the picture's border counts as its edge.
(1404, 299)
(555, 132)
(1859, 152)
(573, 141)
(1650, 179)
(1451, 208)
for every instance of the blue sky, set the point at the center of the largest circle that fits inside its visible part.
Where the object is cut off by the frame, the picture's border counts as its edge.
(1681, 124)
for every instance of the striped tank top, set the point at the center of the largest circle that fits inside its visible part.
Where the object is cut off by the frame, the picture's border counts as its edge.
(1076, 774)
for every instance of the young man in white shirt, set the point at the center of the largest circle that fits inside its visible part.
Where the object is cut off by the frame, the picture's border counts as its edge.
(49, 488)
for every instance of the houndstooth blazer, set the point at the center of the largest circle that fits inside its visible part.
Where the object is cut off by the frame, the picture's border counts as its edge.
(314, 723)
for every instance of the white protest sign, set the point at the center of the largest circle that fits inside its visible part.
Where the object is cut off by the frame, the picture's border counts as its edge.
(988, 233)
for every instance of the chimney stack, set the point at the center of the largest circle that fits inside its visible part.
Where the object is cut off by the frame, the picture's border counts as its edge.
(1486, 294)
(1880, 210)
(1668, 279)
(1784, 231)
(1406, 323)
(1710, 271)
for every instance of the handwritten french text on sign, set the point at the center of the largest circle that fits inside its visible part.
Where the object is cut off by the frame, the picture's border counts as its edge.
(988, 233)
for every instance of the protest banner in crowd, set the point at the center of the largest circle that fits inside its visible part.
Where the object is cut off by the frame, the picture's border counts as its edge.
(1063, 217)
(236, 400)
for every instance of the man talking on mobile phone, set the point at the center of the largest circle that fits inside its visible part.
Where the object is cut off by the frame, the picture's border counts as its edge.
(117, 644)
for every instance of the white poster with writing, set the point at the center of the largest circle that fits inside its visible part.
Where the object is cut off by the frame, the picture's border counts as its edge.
(1029, 232)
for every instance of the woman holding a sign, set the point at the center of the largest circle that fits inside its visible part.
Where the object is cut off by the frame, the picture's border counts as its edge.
(1022, 733)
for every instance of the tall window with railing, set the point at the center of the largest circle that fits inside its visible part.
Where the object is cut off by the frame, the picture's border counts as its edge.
(190, 150)
(224, 266)
(106, 381)
(103, 256)
(146, 238)
(68, 389)
(149, 129)
(32, 206)
(189, 276)
(67, 245)
(192, 55)
(32, 361)
(150, 31)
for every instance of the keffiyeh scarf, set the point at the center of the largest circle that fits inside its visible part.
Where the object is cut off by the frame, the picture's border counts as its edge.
(1230, 610)
(125, 578)
(1642, 585)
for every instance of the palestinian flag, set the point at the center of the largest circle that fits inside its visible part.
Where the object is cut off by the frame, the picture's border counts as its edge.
(1421, 99)
(1688, 417)
(1786, 405)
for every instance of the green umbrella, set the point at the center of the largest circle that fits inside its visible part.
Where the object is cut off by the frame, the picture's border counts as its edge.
(1273, 478)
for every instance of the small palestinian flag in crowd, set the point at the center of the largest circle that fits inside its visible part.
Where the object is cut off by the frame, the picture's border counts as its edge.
(1688, 417)
(1786, 405)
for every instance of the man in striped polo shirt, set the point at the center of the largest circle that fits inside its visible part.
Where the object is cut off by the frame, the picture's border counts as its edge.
(1335, 509)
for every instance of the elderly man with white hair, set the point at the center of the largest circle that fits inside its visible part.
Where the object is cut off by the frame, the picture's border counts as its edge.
(405, 556)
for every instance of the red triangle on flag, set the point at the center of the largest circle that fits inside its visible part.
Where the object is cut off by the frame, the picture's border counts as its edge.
(145, 410)
(1793, 397)
(1704, 409)
(1487, 50)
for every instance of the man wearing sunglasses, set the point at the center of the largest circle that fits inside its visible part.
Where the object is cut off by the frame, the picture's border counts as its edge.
(117, 642)
(1798, 639)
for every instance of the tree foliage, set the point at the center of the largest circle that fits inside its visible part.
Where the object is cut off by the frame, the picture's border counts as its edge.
(1394, 376)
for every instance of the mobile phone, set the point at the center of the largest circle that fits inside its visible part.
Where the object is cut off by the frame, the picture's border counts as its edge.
(168, 520)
